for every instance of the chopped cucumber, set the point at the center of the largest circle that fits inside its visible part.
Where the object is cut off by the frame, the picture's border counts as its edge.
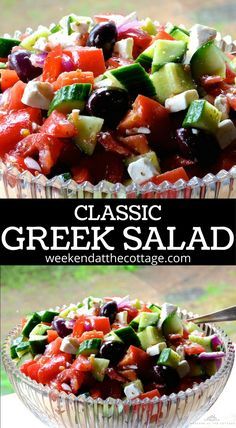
(89, 347)
(166, 51)
(99, 368)
(14, 345)
(32, 321)
(170, 80)
(22, 349)
(210, 367)
(208, 60)
(40, 330)
(202, 115)
(6, 46)
(112, 337)
(128, 336)
(146, 57)
(88, 127)
(64, 313)
(24, 358)
(196, 369)
(3, 65)
(38, 344)
(48, 316)
(29, 41)
(135, 79)
(180, 34)
(205, 341)
(135, 322)
(149, 337)
(70, 97)
(147, 319)
(155, 308)
(169, 358)
(149, 27)
(191, 326)
(172, 325)
(55, 29)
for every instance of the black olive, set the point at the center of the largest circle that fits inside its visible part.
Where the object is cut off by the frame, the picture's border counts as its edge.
(165, 376)
(20, 62)
(103, 36)
(109, 310)
(185, 139)
(113, 351)
(111, 104)
(59, 324)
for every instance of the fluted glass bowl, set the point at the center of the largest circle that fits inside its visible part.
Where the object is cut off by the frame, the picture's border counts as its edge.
(56, 409)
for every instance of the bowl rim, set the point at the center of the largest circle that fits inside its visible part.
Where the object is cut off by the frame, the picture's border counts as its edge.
(226, 366)
(106, 187)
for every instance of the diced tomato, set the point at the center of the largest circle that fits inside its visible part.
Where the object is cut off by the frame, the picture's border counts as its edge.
(227, 160)
(33, 371)
(57, 125)
(52, 65)
(35, 115)
(25, 367)
(78, 328)
(135, 356)
(80, 174)
(46, 149)
(151, 114)
(71, 77)
(110, 144)
(82, 364)
(93, 334)
(141, 39)
(210, 80)
(232, 100)
(138, 143)
(101, 324)
(11, 126)
(193, 349)
(16, 93)
(129, 375)
(51, 369)
(52, 335)
(53, 349)
(162, 35)
(150, 394)
(230, 75)
(23, 322)
(71, 377)
(185, 333)
(171, 176)
(108, 17)
(114, 375)
(87, 59)
(111, 388)
(95, 393)
(104, 166)
(8, 78)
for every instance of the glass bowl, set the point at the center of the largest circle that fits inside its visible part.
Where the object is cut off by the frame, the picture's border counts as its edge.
(14, 184)
(56, 409)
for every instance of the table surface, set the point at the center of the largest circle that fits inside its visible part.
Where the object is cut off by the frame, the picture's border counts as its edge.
(221, 415)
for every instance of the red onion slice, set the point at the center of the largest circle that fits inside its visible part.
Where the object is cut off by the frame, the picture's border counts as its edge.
(216, 343)
(37, 60)
(30, 163)
(211, 355)
(67, 63)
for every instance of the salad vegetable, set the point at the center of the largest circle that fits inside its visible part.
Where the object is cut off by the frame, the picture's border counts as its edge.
(119, 99)
(115, 347)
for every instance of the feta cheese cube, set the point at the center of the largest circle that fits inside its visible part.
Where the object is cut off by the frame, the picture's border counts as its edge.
(70, 345)
(221, 103)
(156, 349)
(183, 368)
(142, 170)
(122, 317)
(63, 39)
(199, 35)
(124, 48)
(38, 94)
(181, 101)
(226, 133)
(133, 390)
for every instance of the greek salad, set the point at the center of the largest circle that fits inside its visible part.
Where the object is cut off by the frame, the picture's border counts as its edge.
(119, 99)
(115, 347)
